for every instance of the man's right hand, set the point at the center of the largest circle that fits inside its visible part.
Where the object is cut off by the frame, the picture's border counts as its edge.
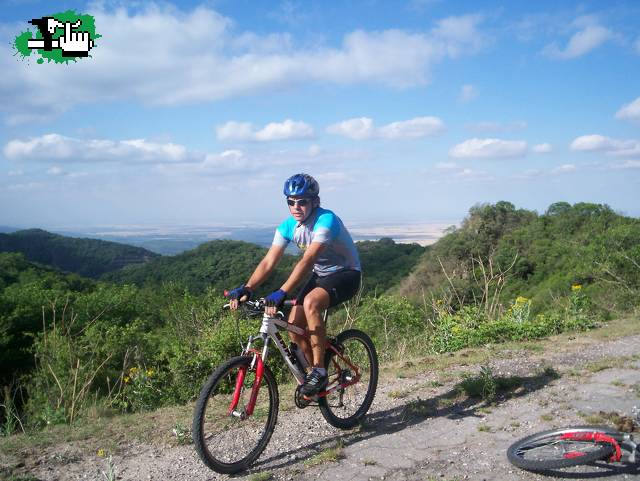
(238, 295)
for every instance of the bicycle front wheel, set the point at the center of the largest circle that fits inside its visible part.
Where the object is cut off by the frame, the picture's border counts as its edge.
(229, 442)
(355, 373)
(558, 448)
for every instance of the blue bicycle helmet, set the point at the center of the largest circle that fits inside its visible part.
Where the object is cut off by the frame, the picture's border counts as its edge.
(301, 185)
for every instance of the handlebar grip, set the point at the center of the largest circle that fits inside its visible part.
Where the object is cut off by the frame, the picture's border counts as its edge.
(290, 302)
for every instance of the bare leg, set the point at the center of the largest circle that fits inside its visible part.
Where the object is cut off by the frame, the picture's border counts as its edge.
(297, 318)
(315, 302)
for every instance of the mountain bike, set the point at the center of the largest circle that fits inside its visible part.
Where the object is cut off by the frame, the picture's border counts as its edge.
(572, 446)
(237, 409)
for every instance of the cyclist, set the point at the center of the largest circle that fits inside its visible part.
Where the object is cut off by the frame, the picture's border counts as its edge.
(331, 258)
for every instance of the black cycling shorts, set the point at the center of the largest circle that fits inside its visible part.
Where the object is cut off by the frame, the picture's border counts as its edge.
(341, 286)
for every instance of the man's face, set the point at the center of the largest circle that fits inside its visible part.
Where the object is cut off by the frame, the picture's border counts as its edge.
(300, 207)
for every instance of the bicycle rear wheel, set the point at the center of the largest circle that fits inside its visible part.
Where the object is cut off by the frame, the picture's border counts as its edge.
(229, 443)
(556, 449)
(344, 407)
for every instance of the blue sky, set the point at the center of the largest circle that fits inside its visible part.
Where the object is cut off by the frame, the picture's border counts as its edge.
(413, 111)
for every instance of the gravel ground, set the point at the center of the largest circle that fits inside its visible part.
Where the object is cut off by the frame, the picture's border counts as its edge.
(417, 429)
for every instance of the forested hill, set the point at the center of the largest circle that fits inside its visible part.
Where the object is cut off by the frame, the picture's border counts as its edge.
(539, 257)
(25, 290)
(86, 257)
(225, 263)
(219, 264)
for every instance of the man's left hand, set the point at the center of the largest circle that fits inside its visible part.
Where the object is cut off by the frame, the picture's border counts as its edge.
(274, 301)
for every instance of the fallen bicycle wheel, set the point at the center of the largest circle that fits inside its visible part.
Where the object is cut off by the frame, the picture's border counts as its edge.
(561, 448)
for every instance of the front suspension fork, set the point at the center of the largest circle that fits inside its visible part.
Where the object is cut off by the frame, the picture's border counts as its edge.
(257, 365)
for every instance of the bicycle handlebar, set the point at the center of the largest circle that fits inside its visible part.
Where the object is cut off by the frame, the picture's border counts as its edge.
(259, 304)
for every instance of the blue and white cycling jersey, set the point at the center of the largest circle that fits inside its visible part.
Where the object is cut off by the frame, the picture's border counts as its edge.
(325, 227)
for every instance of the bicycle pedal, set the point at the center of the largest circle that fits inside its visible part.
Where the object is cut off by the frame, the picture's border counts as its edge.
(303, 401)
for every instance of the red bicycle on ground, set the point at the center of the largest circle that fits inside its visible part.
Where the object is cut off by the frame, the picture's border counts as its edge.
(237, 410)
(572, 446)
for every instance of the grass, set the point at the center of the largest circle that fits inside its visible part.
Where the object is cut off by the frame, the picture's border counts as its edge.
(104, 430)
(397, 394)
(105, 433)
(484, 428)
(182, 434)
(547, 417)
(486, 386)
(329, 455)
(607, 363)
(110, 474)
(621, 423)
(263, 476)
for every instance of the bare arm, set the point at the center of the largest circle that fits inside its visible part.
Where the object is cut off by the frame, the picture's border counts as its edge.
(266, 266)
(260, 274)
(303, 267)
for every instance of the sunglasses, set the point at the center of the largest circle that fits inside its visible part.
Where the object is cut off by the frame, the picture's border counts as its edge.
(299, 202)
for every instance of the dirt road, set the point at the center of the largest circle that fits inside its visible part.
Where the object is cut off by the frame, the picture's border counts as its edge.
(421, 426)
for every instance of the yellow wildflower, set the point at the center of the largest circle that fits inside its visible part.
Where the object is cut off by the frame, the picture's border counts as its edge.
(126, 379)
(521, 300)
(149, 372)
(101, 453)
(576, 287)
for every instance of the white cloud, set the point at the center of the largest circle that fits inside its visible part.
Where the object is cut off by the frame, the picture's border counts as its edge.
(55, 170)
(357, 129)
(542, 148)
(412, 129)
(489, 148)
(637, 45)
(589, 36)
(229, 160)
(235, 131)
(493, 127)
(600, 143)
(160, 55)
(630, 111)
(467, 94)
(58, 147)
(314, 150)
(564, 169)
(460, 34)
(244, 131)
(591, 142)
(451, 170)
(15, 173)
(363, 128)
(333, 181)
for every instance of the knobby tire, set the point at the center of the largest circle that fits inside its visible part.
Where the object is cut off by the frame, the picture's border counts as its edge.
(229, 444)
(345, 407)
(546, 450)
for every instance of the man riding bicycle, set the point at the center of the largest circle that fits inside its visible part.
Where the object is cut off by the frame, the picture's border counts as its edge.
(329, 254)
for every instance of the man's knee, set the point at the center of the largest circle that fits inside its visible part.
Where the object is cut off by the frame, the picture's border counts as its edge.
(316, 301)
